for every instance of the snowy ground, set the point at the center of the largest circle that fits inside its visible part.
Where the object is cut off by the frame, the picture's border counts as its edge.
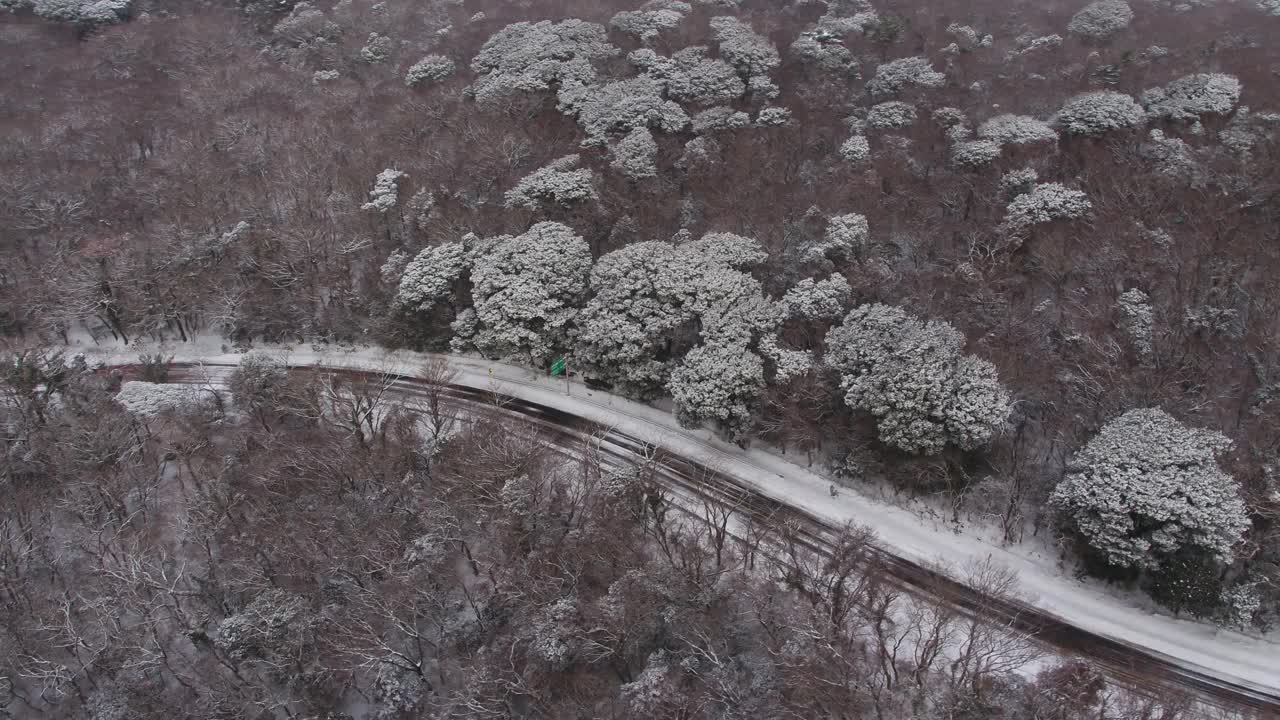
(1226, 654)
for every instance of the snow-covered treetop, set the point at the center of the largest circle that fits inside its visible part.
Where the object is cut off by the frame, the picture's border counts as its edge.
(1147, 486)
(151, 399)
(83, 12)
(895, 76)
(1094, 113)
(824, 50)
(1044, 203)
(974, 153)
(429, 278)
(385, 193)
(718, 382)
(646, 24)
(529, 57)
(305, 23)
(856, 149)
(1136, 319)
(635, 156)
(557, 182)
(914, 378)
(844, 240)
(1100, 20)
(821, 300)
(690, 76)
(526, 289)
(618, 107)
(1016, 130)
(430, 69)
(891, 115)
(743, 48)
(1189, 97)
(720, 118)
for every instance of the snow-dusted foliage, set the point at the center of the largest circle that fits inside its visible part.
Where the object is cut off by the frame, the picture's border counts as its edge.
(740, 45)
(773, 117)
(690, 76)
(856, 150)
(891, 115)
(824, 51)
(531, 57)
(1147, 486)
(844, 239)
(1136, 319)
(559, 182)
(1100, 20)
(914, 378)
(429, 278)
(821, 300)
(1095, 113)
(83, 12)
(967, 38)
(1173, 158)
(636, 155)
(377, 49)
(1017, 182)
(974, 153)
(324, 76)
(430, 69)
(526, 289)
(305, 23)
(386, 191)
(150, 399)
(1029, 44)
(1044, 203)
(397, 689)
(895, 76)
(720, 118)
(787, 363)
(1016, 130)
(1189, 97)
(619, 107)
(275, 623)
(718, 382)
(646, 24)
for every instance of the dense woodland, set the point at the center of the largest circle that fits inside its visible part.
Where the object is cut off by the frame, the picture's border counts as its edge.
(1018, 258)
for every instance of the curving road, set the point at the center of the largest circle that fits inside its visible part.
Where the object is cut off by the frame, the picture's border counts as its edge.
(694, 467)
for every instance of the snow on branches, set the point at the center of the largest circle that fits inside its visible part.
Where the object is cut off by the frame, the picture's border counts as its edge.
(429, 70)
(558, 182)
(529, 57)
(752, 54)
(690, 76)
(635, 156)
(1148, 486)
(619, 107)
(892, 115)
(820, 300)
(525, 290)
(385, 193)
(147, 400)
(914, 378)
(844, 239)
(430, 277)
(83, 12)
(646, 24)
(1044, 203)
(1011, 129)
(1095, 113)
(895, 76)
(1189, 97)
(718, 382)
(1100, 20)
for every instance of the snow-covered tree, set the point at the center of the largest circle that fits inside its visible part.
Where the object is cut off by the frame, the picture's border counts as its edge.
(891, 115)
(646, 24)
(83, 12)
(825, 51)
(1016, 130)
(751, 53)
(914, 378)
(773, 117)
(821, 300)
(1095, 113)
(967, 38)
(1017, 182)
(1044, 203)
(306, 23)
(1173, 158)
(1136, 319)
(618, 107)
(856, 149)
(787, 363)
(635, 156)
(386, 191)
(429, 70)
(1100, 20)
(690, 76)
(529, 57)
(377, 49)
(720, 382)
(146, 399)
(844, 239)
(526, 289)
(430, 277)
(974, 153)
(559, 183)
(276, 625)
(1189, 97)
(896, 75)
(720, 118)
(1148, 486)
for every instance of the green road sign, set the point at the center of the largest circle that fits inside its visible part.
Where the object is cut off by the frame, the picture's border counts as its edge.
(557, 367)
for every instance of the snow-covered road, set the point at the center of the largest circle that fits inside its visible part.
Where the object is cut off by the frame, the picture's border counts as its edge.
(1228, 656)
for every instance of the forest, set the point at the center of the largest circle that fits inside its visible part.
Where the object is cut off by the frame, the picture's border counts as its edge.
(1014, 261)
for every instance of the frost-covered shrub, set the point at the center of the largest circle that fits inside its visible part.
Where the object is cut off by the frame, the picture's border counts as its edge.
(531, 57)
(1044, 203)
(718, 382)
(773, 117)
(844, 239)
(856, 150)
(646, 24)
(1095, 113)
(720, 118)
(743, 48)
(526, 290)
(386, 191)
(1100, 20)
(429, 278)
(974, 153)
(377, 49)
(558, 182)
(895, 76)
(915, 379)
(891, 115)
(1016, 130)
(1189, 97)
(825, 52)
(430, 69)
(822, 300)
(1148, 486)
(83, 12)
(1136, 319)
(147, 399)
(690, 76)
(619, 107)
(636, 155)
